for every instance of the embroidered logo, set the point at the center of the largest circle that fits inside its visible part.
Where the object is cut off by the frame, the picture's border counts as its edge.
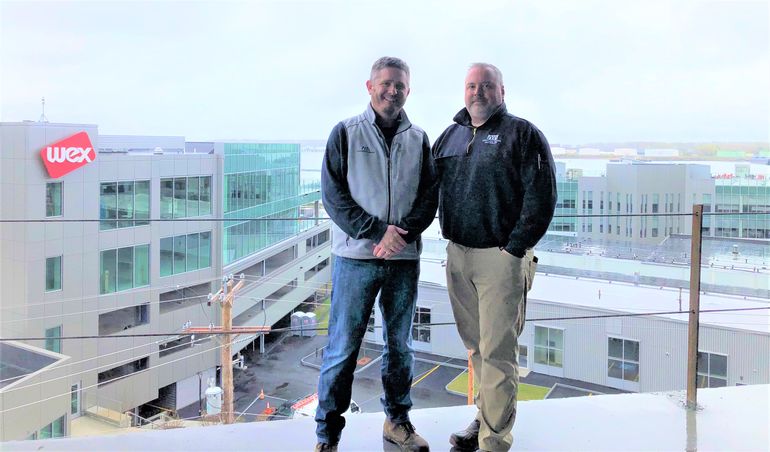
(492, 139)
(366, 149)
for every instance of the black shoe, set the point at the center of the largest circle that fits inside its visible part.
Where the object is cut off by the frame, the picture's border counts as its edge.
(404, 436)
(467, 439)
(323, 447)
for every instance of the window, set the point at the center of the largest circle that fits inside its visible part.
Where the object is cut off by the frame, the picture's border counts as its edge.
(167, 198)
(53, 199)
(124, 204)
(75, 399)
(549, 346)
(182, 197)
(421, 324)
(523, 362)
(53, 339)
(712, 370)
(124, 268)
(185, 253)
(53, 273)
(623, 359)
(53, 430)
(655, 202)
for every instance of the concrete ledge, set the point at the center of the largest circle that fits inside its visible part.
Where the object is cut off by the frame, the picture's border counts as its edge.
(622, 422)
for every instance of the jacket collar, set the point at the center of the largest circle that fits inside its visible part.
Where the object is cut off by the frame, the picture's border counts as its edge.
(403, 120)
(464, 118)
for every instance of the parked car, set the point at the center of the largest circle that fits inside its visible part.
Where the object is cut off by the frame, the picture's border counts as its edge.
(306, 407)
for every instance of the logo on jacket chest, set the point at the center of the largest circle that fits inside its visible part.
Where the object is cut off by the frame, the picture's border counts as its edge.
(492, 139)
(365, 149)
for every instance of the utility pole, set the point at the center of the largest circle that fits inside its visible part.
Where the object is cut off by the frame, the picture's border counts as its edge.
(470, 379)
(694, 323)
(226, 350)
(226, 295)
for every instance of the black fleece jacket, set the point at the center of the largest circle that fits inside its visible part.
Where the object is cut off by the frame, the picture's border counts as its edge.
(497, 182)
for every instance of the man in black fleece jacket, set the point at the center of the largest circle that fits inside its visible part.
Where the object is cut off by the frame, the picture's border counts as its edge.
(497, 198)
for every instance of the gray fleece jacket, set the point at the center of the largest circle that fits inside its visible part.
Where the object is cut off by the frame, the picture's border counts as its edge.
(367, 185)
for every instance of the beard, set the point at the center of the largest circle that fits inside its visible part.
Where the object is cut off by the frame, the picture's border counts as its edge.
(481, 110)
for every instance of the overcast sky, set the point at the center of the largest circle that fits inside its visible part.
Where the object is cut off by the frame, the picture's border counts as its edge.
(582, 71)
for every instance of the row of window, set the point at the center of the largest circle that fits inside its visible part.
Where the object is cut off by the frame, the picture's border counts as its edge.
(645, 207)
(622, 358)
(127, 203)
(129, 267)
(622, 354)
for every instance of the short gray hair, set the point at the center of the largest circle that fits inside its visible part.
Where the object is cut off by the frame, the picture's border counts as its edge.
(387, 61)
(492, 68)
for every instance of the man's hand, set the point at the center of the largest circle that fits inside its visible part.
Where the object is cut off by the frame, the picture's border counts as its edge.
(391, 244)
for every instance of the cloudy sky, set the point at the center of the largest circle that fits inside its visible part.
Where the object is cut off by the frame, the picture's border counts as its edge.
(583, 71)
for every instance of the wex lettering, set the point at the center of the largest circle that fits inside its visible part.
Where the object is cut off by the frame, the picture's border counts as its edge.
(74, 155)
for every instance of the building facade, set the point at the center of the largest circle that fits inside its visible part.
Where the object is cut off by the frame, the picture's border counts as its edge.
(621, 206)
(129, 241)
(637, 354)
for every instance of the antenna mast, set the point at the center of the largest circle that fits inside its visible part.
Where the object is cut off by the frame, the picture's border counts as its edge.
(42, 115)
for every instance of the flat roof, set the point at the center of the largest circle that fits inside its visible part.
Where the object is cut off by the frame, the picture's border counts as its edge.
(18, 360)
(626, 297)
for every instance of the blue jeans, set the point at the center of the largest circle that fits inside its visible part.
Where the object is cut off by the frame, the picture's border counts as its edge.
(356, 284)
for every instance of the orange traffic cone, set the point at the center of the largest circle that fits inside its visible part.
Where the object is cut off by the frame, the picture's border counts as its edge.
(262, 394)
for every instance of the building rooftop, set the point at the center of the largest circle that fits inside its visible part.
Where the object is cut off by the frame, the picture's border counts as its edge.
(653, 421)
(18, 360)
(627, 297)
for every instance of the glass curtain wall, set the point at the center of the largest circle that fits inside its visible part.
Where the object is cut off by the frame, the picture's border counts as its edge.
(744, 195)
(262, 197)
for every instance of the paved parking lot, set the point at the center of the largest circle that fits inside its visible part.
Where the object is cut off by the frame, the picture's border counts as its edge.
(282, 377)
(290, 366)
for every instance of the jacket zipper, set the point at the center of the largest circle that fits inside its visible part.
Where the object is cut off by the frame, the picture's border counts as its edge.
(468, 147)
(387, 148)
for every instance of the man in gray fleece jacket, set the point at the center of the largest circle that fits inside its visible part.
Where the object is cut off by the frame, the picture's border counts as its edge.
(380, 190)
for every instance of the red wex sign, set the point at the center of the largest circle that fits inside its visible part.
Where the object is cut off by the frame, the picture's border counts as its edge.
(68, 154)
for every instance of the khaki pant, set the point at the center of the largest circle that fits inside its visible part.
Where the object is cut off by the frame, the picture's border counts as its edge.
(488, 291)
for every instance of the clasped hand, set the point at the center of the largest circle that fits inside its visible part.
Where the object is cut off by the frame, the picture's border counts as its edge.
(391, 244)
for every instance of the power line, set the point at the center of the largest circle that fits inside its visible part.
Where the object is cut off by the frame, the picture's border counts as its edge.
(222, 219)
(277, 330)
(107, 381)
(103, 366)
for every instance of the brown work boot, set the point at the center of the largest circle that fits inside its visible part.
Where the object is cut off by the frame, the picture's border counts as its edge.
(323, 447)
(467, 439)
(404, 436)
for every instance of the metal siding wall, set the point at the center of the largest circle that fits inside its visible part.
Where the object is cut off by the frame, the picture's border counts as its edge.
(746, 363)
